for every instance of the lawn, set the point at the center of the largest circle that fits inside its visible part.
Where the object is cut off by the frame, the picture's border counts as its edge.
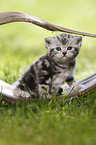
(53, 122)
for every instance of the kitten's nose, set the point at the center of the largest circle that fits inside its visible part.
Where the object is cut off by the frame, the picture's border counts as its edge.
(64, 53)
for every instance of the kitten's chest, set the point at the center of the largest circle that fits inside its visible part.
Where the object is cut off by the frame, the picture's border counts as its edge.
(62, 75)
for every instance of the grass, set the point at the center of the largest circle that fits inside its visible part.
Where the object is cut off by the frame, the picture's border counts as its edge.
(54, 122)
(48, 123)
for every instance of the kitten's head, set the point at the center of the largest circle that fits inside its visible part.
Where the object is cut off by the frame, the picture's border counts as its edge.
(63, 47)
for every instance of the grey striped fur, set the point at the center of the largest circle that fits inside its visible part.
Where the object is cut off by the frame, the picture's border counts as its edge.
(49, 71)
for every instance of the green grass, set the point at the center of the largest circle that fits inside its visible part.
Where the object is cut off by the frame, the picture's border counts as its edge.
(54, 122)
(48, 123)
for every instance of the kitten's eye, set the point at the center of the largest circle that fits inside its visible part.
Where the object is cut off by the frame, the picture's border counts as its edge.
(58, 48)
(69, 48)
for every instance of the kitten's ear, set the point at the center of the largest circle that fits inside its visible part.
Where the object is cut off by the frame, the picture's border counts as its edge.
(48, 41)
(79, 40)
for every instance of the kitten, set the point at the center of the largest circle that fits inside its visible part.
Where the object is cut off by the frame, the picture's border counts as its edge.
(49, 71)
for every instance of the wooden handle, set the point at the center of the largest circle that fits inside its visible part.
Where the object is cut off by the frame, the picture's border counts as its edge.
(15, 16)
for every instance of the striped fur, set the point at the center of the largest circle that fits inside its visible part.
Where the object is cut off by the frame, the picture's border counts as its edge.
(49, 71)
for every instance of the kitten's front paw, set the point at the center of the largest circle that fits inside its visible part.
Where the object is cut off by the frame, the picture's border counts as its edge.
(63, 90)
(18, 92)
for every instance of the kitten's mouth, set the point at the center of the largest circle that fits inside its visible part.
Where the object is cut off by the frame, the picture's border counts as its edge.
(64, 56)
(63, 59)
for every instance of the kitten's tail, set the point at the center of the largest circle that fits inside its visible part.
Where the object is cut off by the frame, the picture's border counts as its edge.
(15, 16)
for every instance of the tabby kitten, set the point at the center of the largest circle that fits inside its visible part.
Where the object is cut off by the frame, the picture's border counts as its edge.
(49, 71)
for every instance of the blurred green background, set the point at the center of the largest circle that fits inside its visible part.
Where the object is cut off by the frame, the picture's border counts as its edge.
(22, 43)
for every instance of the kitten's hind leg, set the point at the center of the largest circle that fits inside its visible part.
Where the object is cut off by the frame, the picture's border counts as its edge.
(70, 80)
(74, 87)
